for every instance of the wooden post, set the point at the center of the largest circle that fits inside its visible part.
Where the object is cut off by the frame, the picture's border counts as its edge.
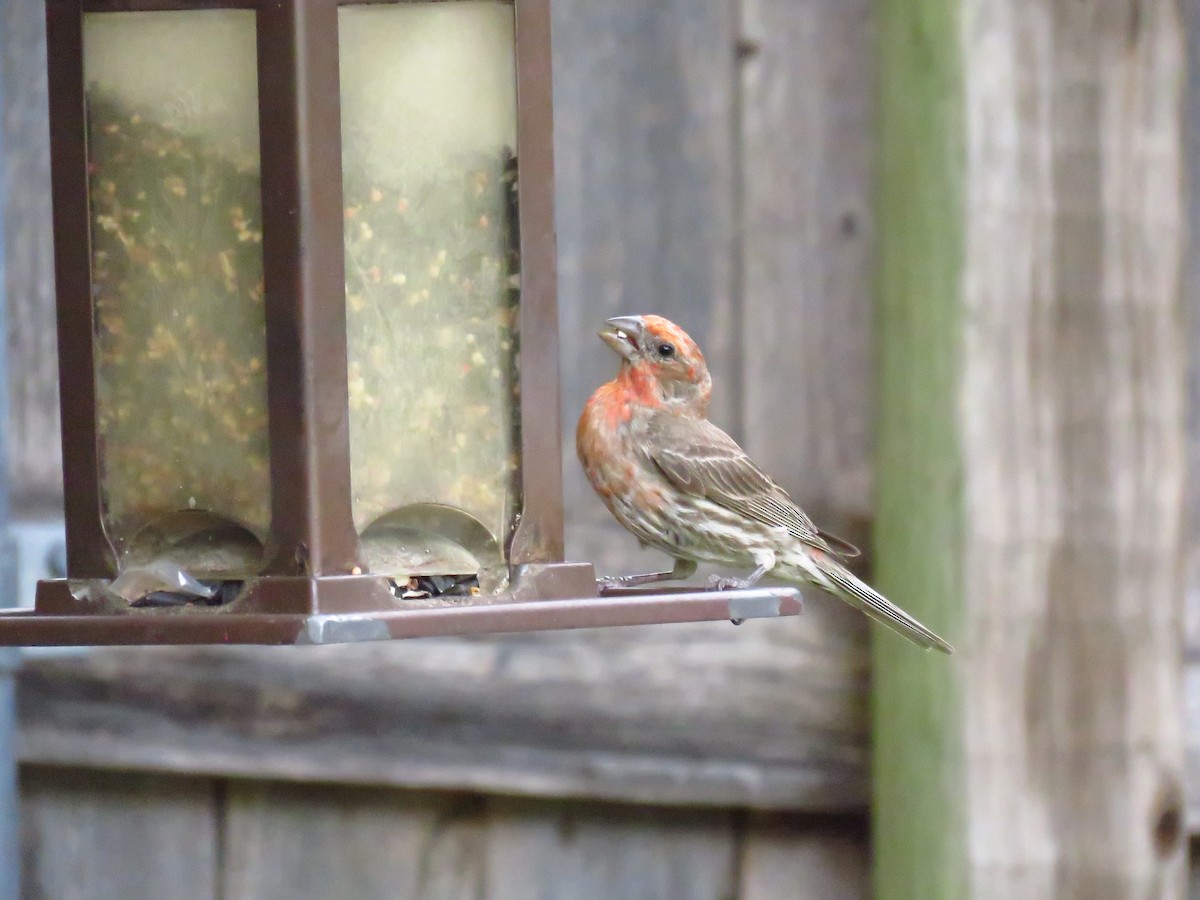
(1030, 449)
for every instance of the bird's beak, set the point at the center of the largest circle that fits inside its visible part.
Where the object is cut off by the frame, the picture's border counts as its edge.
(624, 334)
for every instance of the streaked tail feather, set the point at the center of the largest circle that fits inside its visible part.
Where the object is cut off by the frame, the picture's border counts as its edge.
(864, 597)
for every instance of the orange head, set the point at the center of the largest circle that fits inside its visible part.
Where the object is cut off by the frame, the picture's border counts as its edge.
(658, 354)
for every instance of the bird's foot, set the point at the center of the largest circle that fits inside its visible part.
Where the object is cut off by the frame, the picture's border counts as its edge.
(608, 582)
(726, 583)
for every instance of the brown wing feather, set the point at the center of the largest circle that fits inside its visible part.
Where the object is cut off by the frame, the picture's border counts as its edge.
(841, 546)
(701, 459)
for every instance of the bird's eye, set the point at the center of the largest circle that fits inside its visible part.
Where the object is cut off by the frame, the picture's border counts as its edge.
(666, 351)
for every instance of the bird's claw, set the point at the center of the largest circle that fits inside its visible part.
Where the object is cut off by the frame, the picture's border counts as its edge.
(725, 583)
(607, 582)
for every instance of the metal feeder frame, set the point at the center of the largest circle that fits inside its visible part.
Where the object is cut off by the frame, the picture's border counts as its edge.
(306, 592)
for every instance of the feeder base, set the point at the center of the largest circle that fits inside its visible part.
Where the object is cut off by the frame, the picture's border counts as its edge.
(346, 609)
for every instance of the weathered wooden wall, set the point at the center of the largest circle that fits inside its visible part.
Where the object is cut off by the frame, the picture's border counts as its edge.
(146, 837)
(714, 166)
(1031, 457)
(35, 452)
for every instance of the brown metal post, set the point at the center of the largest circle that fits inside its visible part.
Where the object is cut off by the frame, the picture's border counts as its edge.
(312, 529)
(539, 536)
(89, 552)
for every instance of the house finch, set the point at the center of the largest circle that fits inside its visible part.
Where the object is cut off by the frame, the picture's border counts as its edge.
(683, 486)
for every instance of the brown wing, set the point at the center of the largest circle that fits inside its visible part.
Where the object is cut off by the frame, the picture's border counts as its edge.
(701, 459)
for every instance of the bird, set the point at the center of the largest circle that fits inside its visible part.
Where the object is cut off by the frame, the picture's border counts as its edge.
(684, 487)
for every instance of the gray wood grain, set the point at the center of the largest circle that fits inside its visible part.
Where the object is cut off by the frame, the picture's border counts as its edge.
(96, 836)
(598, 852)
(644, 144)
(294, 842)
(807, 308)
(1191, 293)
(1191, 717)
(34, 452)
(1073, 453)
(672, 714)
(804, 860)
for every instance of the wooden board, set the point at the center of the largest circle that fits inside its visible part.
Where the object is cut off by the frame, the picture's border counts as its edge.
(1032, 458)
(89, 835)
(286, 841)
(290, 841)
(1191, 298)
(1191, 295)
(34, 452)
(805, 859)
(675, 714)
(644, 144)
(598, 851)
(807, 311)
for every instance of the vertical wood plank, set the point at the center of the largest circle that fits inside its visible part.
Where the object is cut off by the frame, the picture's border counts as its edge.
(818, 859)
(644, 151)
(90, 835)
(807, 139)
(1073, 427)
(1031, 453)
(35, 452)
(539, 851)
(1191, 290)
(288, 841)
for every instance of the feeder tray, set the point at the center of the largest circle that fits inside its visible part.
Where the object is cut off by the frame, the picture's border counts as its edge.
(338, 609)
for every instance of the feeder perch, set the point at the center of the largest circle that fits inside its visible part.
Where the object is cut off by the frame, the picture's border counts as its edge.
(307, 329)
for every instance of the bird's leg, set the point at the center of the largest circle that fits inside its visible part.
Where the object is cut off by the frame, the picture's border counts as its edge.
(683, 569)
(766, 562)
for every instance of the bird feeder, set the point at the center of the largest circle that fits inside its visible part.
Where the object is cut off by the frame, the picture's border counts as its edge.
(307, 328)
